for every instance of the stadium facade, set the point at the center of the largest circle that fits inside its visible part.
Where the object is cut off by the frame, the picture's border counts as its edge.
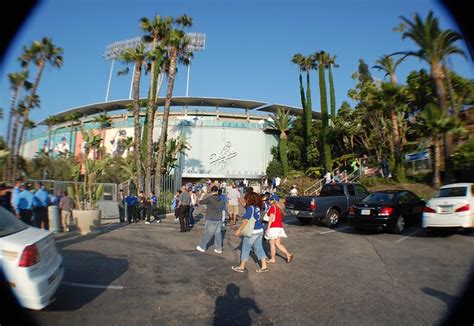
(228, 138)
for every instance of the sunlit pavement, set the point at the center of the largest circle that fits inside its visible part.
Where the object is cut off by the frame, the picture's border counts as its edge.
(152, 275)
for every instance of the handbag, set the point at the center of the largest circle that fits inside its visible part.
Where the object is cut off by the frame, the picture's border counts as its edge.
(247, 231)
(266, 217)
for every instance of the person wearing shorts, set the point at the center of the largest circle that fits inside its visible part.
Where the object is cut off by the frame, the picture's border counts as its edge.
(275, 231)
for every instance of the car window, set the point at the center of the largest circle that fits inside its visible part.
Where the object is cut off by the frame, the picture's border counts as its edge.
(332, 190)
(451, 192)
(379, 197)
(350, 190)
(360, 191)
(9, 224)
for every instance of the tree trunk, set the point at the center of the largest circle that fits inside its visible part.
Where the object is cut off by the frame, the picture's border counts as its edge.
(283, 153)
(437, 162)
(437, 73)
(150, 122)
(136, 124)
(164, 125)
(11, 165)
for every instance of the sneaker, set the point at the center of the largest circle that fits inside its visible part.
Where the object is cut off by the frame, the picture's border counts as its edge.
(218, 251)
(158, 221)
(200, 249)
(146, 222)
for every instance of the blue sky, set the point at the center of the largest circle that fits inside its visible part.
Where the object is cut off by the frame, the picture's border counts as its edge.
(248, 50)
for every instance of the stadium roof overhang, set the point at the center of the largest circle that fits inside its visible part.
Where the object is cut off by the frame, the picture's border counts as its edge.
(185, 101)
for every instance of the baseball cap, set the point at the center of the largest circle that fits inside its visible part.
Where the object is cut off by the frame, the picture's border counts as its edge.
(275, 197)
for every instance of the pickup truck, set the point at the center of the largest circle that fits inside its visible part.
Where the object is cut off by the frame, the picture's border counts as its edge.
(329, 207)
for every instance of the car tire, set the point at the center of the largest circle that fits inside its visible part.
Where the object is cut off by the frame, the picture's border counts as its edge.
(399, 225)
(304, 221)
(332, 218)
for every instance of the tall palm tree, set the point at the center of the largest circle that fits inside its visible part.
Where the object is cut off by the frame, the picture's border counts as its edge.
(435, 123)
(389, 66)
(136, 56)
(435, 46)
(33, 101)
(43, 52)
(282, 121)
(177, 45)
(156, 30)
(322, 59)
(331, 62)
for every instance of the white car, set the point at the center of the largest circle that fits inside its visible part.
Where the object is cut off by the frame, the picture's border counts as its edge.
(30, 261)
(452, 206)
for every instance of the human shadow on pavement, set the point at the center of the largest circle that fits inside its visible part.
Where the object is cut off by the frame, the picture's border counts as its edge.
(232, 309)
(446, 298)
(87, 275)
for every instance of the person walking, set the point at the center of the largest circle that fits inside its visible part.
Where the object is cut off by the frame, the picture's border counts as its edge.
(142, 206)
(255, 241)
(213, 226)
(194, 201)
(183, 207)
(175, 204)
(152, 208)
(40, 207)
(23, 204)
(121, 206)
(131, 202)
(233, 196)
(275, 231)
(66, 205)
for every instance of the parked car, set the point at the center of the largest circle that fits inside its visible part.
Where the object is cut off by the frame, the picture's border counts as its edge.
(452, 206)
(30, 261)
(330, 206)
(386, 210)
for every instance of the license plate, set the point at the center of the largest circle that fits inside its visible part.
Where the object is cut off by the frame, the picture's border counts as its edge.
(365, 212)
(445, 209)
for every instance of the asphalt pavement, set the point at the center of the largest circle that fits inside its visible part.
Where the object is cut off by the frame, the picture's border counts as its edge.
(142, 274)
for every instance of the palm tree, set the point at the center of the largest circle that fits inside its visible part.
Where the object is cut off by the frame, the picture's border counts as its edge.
(156, 30)
(51, 121)
(73, 118)
(435, 46)
(178, 51)
(389, 66)
(43, 52)
(136, 56)
(435, 122)
(104, 122)
(332, 93)
(322, 59)
(282, 121)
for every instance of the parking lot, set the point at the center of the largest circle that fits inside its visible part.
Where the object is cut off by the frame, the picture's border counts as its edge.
(152, 275)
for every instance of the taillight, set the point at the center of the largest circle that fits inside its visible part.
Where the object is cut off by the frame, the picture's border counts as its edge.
(352, 210)
(462, 208)
(30, 256)
(312, 205)
(427, 209)
(385, 211)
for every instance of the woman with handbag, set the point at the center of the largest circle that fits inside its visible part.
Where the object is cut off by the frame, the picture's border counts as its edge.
(275, 231)
(251, 231)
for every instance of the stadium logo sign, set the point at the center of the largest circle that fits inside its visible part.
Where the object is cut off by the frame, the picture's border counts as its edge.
(220, 159)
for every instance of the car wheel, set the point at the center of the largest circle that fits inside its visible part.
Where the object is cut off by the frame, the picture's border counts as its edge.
(399, 225)
(332, 218)
(304, 221)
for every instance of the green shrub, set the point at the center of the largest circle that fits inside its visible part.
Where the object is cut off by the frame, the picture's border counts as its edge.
(463, 162)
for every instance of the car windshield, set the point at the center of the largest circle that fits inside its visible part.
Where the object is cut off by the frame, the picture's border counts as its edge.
(451, 192)
(379, 197)
(9, 224)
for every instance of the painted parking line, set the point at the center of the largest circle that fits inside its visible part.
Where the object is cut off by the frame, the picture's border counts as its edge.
(95, 286)
(409, 235)
(335, 230)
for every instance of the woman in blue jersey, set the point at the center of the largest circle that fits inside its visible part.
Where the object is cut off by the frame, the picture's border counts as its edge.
(255, 241)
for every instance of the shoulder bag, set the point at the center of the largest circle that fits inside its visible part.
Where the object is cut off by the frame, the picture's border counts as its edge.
(247, 231)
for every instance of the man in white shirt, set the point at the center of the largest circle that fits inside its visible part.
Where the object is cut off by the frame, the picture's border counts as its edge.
(293, 191)
(233, 197)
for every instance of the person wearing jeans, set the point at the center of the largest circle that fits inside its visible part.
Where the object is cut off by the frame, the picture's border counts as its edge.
(213, 227)
(254, 242)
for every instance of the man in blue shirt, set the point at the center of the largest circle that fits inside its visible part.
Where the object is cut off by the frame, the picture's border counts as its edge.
(131, 203)
(23, 204)
(40, 207)
(14, 198)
